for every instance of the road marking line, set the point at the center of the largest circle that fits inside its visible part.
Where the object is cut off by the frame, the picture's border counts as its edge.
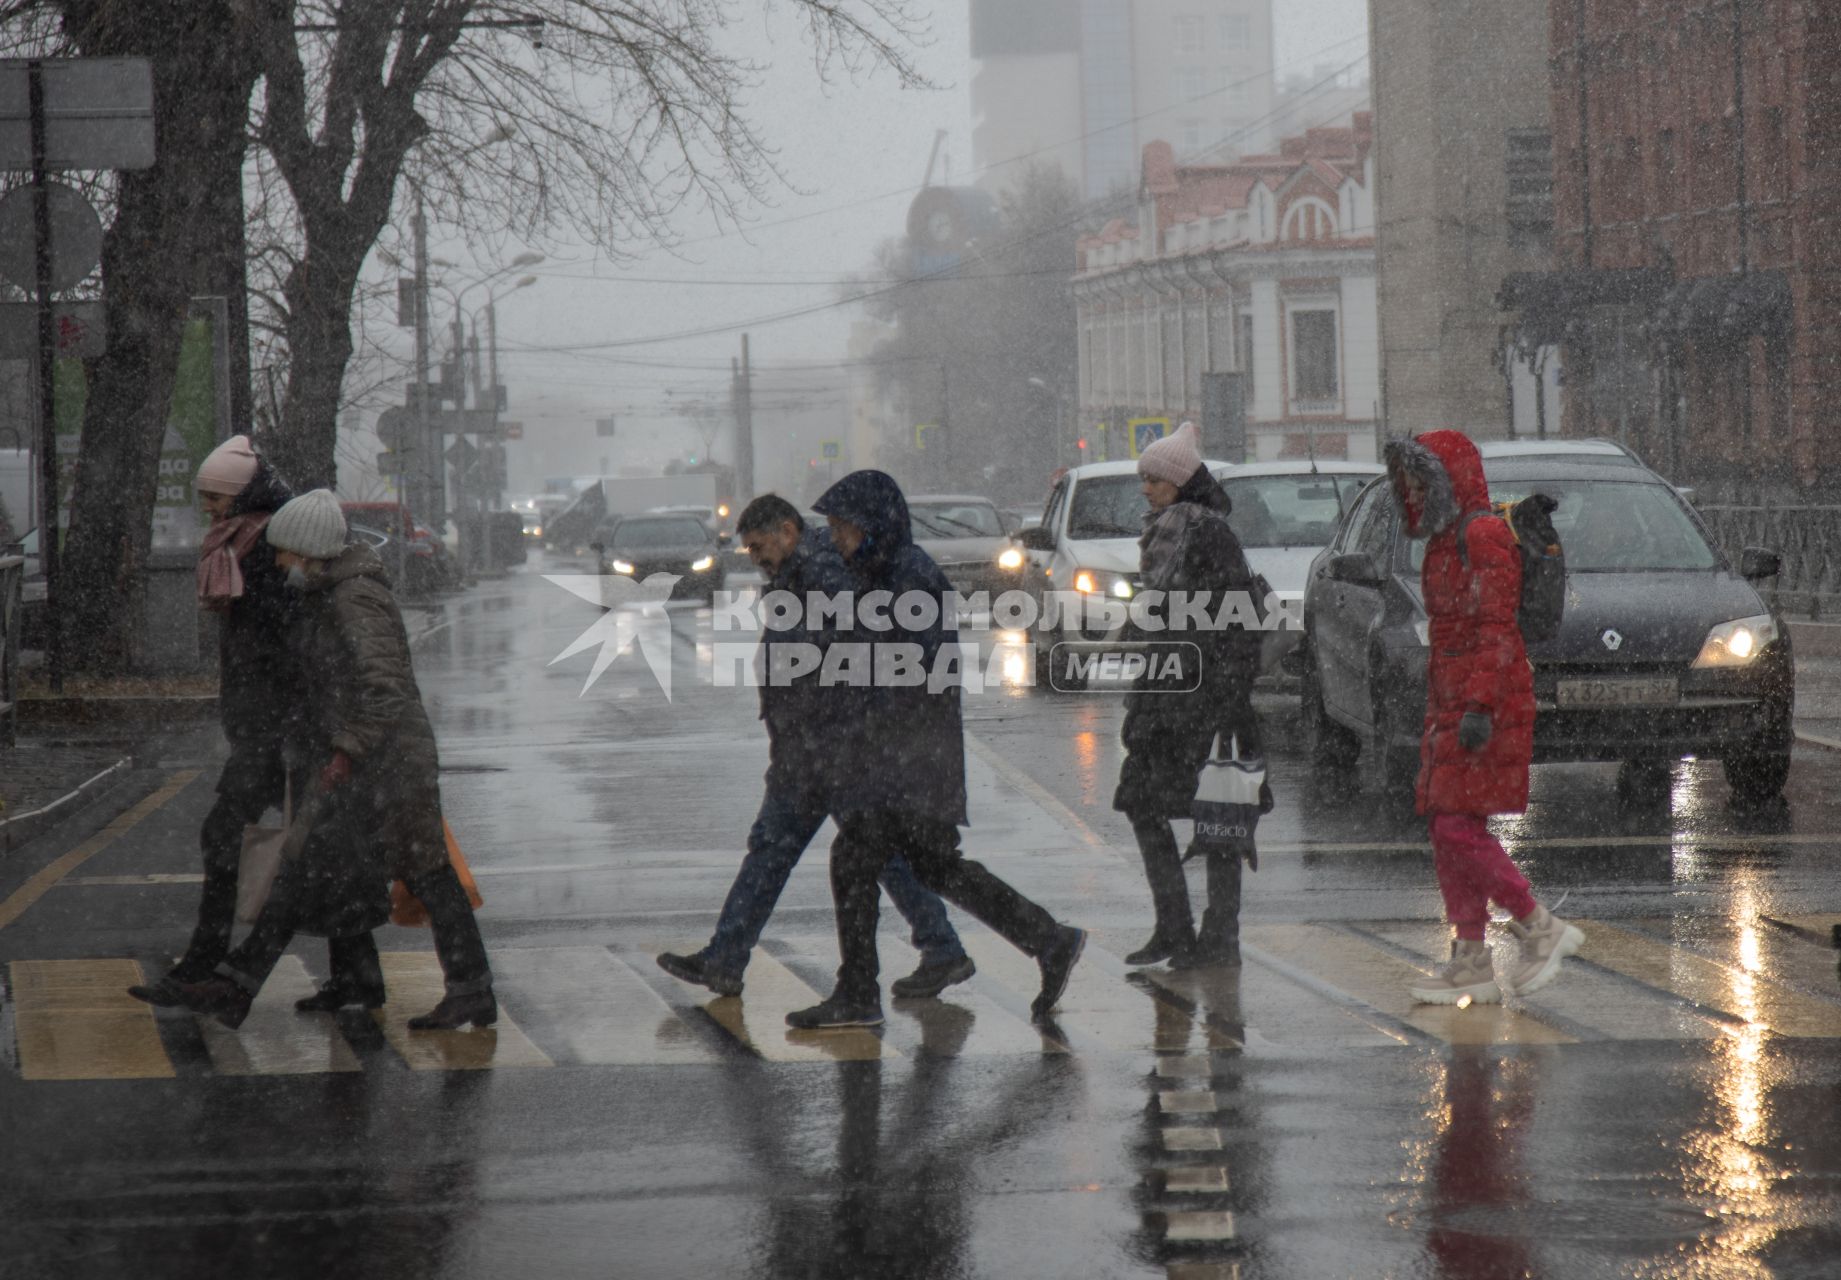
(76, 1021)
(1036, 792)
(962, 1023)
(1188, 1102)
(1202, 1271)
(1199, 1225)
(757, 1017)
(1191, 1139)
(590, 1007)
(1097, 1005)
(1173, 1067)
(1380, 979)
(414, 983)
(1201, 1180)
(1584, 1000)
(1741, 995)
(275, 1040)
(36, 887)
(1271, 1012)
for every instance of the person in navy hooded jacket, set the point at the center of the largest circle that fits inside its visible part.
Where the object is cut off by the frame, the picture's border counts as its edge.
(900, 782)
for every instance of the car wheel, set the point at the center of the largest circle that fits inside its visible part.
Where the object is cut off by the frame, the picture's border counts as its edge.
(1644, 784)
(1757, 778)
(1333, 749)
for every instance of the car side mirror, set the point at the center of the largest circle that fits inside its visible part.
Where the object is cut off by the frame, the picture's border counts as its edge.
(597, 548)
(724, 538)
(1357, 568)
(1759, 562)
(1037, 538)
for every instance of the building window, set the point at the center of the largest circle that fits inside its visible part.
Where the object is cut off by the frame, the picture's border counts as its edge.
(1192, 83)
(1189, 33)
(1236, 32)
(1313, 359)
(1191, 133)
(1528, 167)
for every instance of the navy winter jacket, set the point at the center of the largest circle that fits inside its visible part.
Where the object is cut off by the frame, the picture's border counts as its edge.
(796, 713)
(907, 745)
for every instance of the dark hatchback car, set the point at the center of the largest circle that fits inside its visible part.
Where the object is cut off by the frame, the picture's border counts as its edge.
(640, 546)
(1665, 650)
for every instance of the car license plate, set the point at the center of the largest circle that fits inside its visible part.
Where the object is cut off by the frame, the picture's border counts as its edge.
(1649, 691)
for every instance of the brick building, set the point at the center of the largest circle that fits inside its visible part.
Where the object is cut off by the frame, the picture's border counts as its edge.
(1697, 237)
(1461, 202)
(1262, 268)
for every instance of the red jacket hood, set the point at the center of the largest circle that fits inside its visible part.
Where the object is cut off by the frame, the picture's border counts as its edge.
(1463, 464)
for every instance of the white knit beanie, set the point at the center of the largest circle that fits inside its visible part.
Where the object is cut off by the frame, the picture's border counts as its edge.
(312, 525)
(1174, 458)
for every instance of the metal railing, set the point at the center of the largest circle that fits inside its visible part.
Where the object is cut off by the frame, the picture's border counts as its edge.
(12, 590)
(1807, 537)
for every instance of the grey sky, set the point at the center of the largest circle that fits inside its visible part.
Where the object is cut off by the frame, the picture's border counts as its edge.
(854, 151)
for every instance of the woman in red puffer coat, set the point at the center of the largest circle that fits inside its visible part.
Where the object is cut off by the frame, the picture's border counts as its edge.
(1479, 726)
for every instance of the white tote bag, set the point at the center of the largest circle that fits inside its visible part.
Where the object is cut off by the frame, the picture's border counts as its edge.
(1227, 802)
(261, 860)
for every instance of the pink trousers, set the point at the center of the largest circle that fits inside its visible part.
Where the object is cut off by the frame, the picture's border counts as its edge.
(1474, 871)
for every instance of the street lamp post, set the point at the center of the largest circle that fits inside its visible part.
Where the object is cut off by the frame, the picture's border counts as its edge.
(467, 501)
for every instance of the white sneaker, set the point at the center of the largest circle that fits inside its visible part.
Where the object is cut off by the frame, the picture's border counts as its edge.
(1469, 972)
(1545, 941)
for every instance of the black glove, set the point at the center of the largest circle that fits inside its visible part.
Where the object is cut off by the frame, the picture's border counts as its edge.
(1473, 730)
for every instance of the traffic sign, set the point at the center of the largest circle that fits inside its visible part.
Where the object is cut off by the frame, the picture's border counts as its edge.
(461, 454)
(831, 449)
(393, 464)
(1145, 432)
(98, 113)
(603, 427)
(78, 325)
(76, 237)
(920, 438)
(511, 430)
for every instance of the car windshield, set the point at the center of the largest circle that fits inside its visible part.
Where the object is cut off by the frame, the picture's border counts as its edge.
(955, 520)
(1609, 526)
(644, 535)
(1107, 507)
(1289, 510)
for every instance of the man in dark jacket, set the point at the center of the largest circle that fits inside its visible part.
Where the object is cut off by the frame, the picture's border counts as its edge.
(803, 563)
(373, 811)
(900, 785)
(1188, 547)
(258, 688)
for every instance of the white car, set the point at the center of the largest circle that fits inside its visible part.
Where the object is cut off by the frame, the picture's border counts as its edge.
(1284, 512)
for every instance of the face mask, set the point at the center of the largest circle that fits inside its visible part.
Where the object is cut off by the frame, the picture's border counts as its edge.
(297, 577)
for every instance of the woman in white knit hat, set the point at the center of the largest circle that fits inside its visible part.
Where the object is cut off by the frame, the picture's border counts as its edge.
(374, 801)
(1171, 721)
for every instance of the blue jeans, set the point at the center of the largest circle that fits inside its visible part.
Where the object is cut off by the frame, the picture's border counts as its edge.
(790, 816)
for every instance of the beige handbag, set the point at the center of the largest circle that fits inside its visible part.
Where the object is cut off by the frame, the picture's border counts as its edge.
(261, 860)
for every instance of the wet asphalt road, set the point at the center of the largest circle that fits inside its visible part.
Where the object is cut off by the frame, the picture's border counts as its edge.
(1667, 1110)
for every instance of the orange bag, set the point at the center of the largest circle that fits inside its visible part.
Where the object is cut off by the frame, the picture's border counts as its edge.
(407, 910)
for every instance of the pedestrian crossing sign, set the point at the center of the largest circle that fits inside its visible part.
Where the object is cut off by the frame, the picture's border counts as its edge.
(831, 449)
(1146, 432)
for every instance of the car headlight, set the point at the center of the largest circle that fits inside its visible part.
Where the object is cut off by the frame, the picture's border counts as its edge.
(1010, 558)
(537, 531)
(623, 566)
(1422, 629)
(1737, 643)
(1092, 582)
(698, 566)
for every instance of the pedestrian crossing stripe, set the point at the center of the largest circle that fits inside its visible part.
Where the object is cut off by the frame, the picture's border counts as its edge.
(1306, 988)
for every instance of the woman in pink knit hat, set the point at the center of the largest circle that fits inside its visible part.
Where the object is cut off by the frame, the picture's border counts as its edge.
(1171, 720)
(257, 692)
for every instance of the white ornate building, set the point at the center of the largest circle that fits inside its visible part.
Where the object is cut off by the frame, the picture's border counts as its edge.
(1263, 267)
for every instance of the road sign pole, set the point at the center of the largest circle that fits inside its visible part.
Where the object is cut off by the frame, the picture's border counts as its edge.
(48, 548)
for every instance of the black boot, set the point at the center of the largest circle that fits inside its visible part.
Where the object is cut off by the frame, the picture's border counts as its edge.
(220, 997)
(1219, 939)
(1164, 944)
(336, 995)
(478, 1008)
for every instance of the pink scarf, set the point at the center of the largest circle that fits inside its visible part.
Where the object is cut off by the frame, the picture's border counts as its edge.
(220, 576)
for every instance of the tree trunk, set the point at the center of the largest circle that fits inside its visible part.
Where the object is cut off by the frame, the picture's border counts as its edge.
(203, 78)
(319, 298)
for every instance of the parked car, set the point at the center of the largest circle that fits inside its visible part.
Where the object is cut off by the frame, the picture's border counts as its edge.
(1284, 514)
(639, 546)
(1665, 649)
(967, 538)
(411, 561)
